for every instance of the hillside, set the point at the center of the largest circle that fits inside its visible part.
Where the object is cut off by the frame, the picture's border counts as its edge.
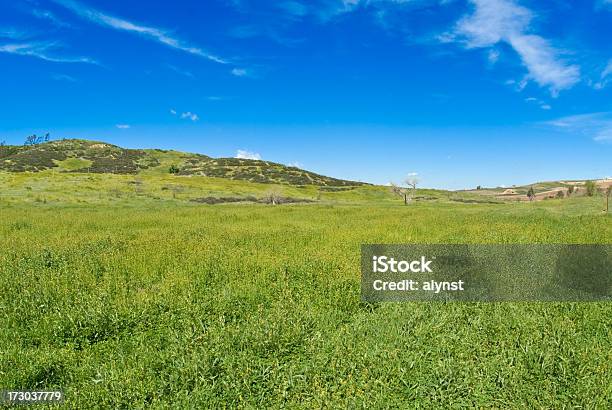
(542, 190)
(72, 155)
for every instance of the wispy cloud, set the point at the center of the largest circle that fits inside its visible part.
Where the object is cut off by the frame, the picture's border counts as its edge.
(219, 98)
(64, 77)
(296, 164)
(13, 33)
(294, 8)
(51, 17)
(604, 78)
(40, 50)
(597, 126)
(323, 10)
(608, 70)
(244, 154)
(180, 71)
(241, 72)
(152, 33)
(505, 21)
(189, 115)
(493, 56)
(268, 31)
(123, 126)
(542, 104)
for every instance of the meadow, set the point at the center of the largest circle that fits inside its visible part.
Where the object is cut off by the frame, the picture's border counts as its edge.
(128, 296)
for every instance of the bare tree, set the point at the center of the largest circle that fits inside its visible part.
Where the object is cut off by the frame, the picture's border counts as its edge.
(407, 193)
(272, 196)
(399, 191)
(412, 180)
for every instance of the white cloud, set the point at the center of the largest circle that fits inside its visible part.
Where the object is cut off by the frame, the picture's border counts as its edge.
(608, 70)
(151, 33)
(597, 126)
(542, 104)
(294, 8)
(180, 71)
(505, 21)
(244, 154)
(493, 56)
(186, 115)
(413, 174)
(12, 33)
(40, 50)
(604, 77)
(295, 164)
(189, 115)
(64, 77)
(123, 126)
(49, 16)
(240, 72)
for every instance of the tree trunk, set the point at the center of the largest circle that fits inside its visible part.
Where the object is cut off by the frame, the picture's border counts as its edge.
(405, 198)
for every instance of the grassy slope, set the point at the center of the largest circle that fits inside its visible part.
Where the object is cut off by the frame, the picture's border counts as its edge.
(153, 186)
(538, 187)
(72, 155)
(133, 301)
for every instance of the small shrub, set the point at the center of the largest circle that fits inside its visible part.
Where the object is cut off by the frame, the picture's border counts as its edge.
(590, 188)
(531, 193)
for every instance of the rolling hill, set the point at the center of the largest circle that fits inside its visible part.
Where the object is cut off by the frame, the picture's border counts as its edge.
(76, 155)
(542, 190)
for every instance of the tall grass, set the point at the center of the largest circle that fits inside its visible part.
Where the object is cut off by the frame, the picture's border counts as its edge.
(167, 304)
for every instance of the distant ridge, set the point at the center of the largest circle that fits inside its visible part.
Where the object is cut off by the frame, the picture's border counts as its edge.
(78, 155)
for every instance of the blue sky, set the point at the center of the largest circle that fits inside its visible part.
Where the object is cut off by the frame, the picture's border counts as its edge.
(464, 93)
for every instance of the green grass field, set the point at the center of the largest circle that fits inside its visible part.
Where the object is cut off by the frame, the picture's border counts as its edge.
(127, 296)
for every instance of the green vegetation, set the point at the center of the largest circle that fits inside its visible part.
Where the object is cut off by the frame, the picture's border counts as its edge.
(107, 158)
(152, 186)
(152, 285)
(530, 193)
(126, 296)
(102, 157)
(590, 188)
(73, 164)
